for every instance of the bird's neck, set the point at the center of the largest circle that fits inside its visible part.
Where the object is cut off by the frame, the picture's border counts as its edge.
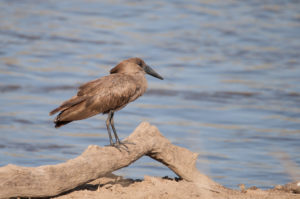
(141, 80)
(140, 83)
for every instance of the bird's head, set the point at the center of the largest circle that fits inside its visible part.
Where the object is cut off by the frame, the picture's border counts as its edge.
(133, 65)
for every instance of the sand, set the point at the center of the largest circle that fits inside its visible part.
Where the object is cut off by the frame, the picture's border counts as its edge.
(165, 188)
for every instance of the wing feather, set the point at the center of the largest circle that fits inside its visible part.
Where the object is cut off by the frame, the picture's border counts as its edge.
(111, 92)
(67, 104)
(91, 86)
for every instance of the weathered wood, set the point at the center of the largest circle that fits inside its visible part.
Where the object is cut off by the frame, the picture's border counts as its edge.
(95, 161)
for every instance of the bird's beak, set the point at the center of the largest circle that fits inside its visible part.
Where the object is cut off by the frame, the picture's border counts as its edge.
(150, 71)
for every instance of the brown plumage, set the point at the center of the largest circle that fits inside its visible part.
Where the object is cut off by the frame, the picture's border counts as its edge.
(108, 94)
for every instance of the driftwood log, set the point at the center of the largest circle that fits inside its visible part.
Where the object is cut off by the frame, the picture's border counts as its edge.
(95, 162)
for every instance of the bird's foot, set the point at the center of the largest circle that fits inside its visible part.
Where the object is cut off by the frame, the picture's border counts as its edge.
(115, 145)
(122, 145)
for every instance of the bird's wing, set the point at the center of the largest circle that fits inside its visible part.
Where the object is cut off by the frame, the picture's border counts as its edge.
(109, 93)
(100, 96)
(67, 104)
(91, 86)
(84, 91)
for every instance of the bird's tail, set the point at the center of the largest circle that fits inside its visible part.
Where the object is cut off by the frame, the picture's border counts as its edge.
(61, 123)
(55, 110)
(58, 123)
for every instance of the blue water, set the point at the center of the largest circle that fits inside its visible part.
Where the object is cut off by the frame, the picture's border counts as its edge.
(231, 91)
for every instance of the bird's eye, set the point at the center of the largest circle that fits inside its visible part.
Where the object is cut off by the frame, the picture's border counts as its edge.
(141, 64)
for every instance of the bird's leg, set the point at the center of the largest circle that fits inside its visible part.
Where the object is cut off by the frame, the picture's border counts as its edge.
(108, 128)
(118, 142)
(112, 123)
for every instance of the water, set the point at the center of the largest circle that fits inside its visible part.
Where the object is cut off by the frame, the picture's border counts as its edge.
(231, 91)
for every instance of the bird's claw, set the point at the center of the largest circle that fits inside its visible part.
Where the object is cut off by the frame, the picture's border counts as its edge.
(124, 143)
(121, 145)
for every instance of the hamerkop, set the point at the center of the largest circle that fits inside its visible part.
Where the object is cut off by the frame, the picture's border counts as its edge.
(108, 94)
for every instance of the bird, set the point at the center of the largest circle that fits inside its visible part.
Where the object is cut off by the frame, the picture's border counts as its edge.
(108, 94)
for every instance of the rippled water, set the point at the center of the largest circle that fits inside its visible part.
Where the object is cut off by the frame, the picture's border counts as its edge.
(231, 90)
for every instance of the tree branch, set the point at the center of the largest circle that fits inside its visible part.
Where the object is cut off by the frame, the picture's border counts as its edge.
(95, 162)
